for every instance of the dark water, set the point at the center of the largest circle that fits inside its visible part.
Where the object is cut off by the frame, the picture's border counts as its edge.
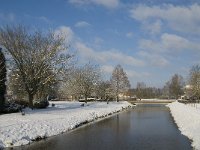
(147, 127)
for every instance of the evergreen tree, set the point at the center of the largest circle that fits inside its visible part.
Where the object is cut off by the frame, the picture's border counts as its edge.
(2, 80)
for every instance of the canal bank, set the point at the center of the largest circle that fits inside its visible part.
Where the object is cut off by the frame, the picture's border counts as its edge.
(37, 124)
(144, 127)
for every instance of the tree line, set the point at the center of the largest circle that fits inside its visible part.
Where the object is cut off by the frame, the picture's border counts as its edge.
(38, 65)
(173, 89)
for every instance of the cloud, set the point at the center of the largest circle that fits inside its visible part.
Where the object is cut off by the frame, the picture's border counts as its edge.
(107, 68)
(98, 40)
(129, 34)
(107, 56)
(105, 3)
(134, 74)
(169, 43)
(65, 32)
(82, 24)
(179, 18)
(153, 28)
(154, 59)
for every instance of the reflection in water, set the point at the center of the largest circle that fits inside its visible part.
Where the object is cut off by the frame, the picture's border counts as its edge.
(149, 127)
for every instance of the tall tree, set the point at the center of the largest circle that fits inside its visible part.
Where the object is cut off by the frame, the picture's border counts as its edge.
(194, 80)
(102, 90)
(2, 80)
(119, 81)
(34, 55)
(176, 86)
(140, 89)
(84, 80)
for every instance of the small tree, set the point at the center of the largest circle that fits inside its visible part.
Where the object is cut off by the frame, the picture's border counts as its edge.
(34, 55)
(119, 81)
(176, 86)
(194, 80)
(2, 80)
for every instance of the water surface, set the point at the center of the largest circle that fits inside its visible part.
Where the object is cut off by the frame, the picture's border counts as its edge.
(146, 127)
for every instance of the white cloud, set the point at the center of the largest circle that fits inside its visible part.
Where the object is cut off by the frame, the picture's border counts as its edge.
(179, 18)
(154, 59)
(107, 68)
(169, 43)
(65, 32)
(153, 28)
(174, 42)
(134, 74)
(129, 34)
(167, 48)
(98, 40)
(107, 56)
(81, 24)
(105, 3)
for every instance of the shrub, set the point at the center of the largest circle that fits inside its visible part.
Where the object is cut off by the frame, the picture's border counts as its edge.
(11, 107)
(40, 104)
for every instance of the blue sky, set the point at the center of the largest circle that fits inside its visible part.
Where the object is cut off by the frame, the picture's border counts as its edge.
(151, 39)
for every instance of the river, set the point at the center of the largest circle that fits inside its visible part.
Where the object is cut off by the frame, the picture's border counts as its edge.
(146, 127)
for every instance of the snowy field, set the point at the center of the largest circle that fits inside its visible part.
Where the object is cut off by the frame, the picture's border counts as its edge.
(194, 105)
(16, 130)
(187, 118)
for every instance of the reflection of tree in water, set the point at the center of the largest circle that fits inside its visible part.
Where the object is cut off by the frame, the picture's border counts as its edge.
(123, 123)
(143, 110)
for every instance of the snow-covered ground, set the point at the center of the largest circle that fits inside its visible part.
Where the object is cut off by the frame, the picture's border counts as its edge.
(194, 105)
(16, 129)
(188, 120)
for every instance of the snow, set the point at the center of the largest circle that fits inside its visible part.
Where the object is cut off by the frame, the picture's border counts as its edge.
(16, 130)
(188, 120)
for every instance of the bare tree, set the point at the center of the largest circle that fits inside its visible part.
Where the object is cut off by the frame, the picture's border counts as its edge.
(119, 81)
(70, 87)
(194, 80)
(140, 87)
(14, 85)
(84, 80)
(2, 80)
(176, 86)
(34, 54)
(102, 90)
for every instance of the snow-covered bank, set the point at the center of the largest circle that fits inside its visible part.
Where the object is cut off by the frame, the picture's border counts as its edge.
(188, 120)
(16, 129)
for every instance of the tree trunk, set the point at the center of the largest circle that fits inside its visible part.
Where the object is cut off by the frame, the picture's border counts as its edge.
(117, 98)
(107, 101)
(86, 99)
(2, 101)
(30, 98)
